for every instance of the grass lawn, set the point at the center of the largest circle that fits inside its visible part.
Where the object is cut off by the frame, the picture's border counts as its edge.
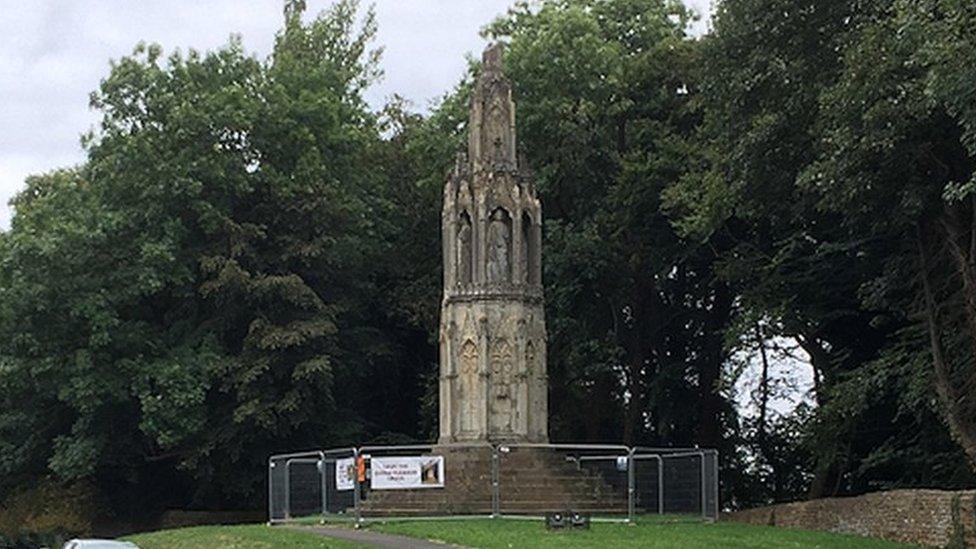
(510, 533)
(249, 536)
(503, 533)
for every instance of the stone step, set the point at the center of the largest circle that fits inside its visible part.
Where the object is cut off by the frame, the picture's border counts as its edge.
(531, 481)
(550, 496)
(508, 498)
(431, 507)
(421, 512)
(540, 510)
(560, 493)
(571, 486)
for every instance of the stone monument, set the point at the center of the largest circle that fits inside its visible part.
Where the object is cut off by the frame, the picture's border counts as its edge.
(493, 384)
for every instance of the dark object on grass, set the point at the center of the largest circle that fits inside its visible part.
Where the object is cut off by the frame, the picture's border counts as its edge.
(580, 521)
(567, 519)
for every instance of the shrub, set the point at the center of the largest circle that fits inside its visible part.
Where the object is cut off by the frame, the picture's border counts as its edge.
(47, 514)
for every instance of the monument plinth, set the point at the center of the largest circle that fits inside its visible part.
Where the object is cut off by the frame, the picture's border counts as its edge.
(493, 384)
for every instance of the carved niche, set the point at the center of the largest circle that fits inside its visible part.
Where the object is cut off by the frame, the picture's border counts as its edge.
(525, 250)
(499, 247)
(502, 401)
(468, 378)
(464, 250)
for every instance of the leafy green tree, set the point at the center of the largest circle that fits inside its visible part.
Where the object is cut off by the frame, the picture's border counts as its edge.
(896, 158)
(802, 260)
(188, 300)
(636, 316)
(415, 159)
(248, 259)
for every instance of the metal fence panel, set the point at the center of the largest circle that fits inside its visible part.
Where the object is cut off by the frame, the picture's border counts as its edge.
(677, 481)
(295, 489)
(604, 481)
(648, 496)
(682, 483)
(711, 485)
(339, 501)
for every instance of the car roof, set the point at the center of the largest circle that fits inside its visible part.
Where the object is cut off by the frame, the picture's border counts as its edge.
(99, 544)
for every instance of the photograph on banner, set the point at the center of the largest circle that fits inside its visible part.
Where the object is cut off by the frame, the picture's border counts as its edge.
(406, 472)
(345, 474)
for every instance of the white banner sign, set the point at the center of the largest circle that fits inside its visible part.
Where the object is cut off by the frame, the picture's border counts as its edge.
(407, 472)
(345, 474)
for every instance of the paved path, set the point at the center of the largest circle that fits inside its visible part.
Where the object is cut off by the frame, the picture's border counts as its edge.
(369, 537)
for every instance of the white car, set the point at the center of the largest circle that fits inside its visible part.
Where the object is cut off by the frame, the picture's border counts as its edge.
(99, 544)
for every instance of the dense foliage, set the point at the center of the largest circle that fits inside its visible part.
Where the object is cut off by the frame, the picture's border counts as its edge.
(248, 261)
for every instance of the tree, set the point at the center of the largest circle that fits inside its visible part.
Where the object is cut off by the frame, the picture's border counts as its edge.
(636, 316)
(796, 264)
(185, 302)
(897, 159)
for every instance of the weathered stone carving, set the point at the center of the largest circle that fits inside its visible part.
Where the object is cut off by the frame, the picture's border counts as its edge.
(524, 250)
(499, 241)
(464, 250)
(468, 360)
(492, 291)
(501, 387)
(529, 358)
(496, 129)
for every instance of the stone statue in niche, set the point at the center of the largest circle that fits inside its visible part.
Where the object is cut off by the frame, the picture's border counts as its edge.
(502, 403)
(464, 250)
(499, 244)
(468, 362)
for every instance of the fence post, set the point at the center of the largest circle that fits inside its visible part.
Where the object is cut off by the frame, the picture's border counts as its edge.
(288, 489)
(355, 495)
(660, 484)
(715, 481)
(703, 507)
(270, 491)
(495, 484)
(322, 477)
(631, 480)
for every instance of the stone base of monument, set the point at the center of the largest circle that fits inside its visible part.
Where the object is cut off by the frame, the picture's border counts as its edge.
(532, 481)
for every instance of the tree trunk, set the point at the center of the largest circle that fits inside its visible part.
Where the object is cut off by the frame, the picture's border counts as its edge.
(763, 390)
(826, 475)
(962, 425)
(710, 370)
(819, 362)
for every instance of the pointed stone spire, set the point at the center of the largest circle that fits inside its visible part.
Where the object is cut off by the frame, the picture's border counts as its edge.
(491, 59)
(491, 136)
(493, 383)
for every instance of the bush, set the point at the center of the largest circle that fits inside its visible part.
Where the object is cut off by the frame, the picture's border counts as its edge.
(47, 514)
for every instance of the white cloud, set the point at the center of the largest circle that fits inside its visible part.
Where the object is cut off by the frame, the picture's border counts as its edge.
(54, 53)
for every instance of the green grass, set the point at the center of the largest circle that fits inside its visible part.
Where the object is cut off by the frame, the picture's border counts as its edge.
(511, 533)
(505, 533)
(250, 536)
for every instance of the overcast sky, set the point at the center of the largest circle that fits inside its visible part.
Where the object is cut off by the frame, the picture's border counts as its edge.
(53, 53)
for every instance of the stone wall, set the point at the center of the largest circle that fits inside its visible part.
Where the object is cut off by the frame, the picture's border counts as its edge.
(928, 517)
